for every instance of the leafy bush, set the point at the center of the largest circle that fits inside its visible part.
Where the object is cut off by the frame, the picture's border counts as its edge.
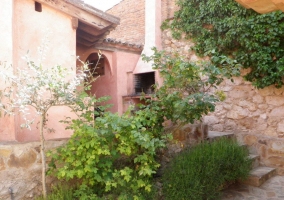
(199, 173)
(225, 30)
(112, 154)
(186, 94)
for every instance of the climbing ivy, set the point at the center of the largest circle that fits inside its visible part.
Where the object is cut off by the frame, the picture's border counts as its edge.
(224, 29)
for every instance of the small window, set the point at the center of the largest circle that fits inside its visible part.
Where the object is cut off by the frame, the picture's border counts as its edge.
(97, 67)
(38, 7)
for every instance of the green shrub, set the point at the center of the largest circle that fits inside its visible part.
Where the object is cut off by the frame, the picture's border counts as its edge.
(199, 173)
(112, 155)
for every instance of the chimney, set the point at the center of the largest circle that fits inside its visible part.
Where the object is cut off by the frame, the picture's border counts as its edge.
(152, 34)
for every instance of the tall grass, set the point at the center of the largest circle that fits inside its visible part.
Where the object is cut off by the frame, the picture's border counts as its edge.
(199, 173)
(60, 192)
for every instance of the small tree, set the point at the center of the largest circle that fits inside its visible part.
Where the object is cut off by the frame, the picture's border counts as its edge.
(189, 88)
(42, 88)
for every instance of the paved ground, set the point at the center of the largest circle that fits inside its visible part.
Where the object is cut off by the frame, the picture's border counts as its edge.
(272, 189)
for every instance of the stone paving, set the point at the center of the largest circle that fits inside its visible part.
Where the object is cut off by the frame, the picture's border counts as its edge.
(272, 189)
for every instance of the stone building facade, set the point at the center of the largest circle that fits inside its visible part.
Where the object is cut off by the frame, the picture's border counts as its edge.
(255, 116)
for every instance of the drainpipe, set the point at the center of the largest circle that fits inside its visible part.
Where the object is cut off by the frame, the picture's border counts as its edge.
(152, 34)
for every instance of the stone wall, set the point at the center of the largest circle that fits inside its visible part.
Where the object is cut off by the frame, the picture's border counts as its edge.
(168, 9)
(132, 21)
(20, 169)
(255, 116)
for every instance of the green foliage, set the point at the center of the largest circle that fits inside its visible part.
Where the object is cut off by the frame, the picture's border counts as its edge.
(186, 94)
(200, 172)
(112, 154)
(60, 192)
(224, 30)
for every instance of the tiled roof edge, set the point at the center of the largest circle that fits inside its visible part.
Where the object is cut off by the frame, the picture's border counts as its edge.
(123, 43)
(94, 11)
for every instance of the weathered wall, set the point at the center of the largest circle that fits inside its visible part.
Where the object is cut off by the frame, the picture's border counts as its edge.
(255, 116)
(6, 30)
(24, 30)
(132, 21)
(126, 63)
(168, 9)
(20, 169)
(6, 58)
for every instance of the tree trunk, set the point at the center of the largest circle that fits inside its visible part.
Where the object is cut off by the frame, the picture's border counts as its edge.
(43, 159)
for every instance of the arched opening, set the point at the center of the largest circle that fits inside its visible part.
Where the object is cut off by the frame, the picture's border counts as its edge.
(97, 64)
(105, 84)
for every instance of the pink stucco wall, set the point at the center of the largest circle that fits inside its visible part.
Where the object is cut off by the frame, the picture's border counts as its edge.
(25, 29)
(126, 63)
(6, 55)
(116, 82)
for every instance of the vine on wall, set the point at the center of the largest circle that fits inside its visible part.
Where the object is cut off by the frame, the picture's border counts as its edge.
(230, 34)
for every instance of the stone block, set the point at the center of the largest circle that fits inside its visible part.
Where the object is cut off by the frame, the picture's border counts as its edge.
(280, 127)
(26, 160)
(248, 105)
(230, 125)
(238, 94)
(274, 100)
(278, 91)
(210, 120)
(275, 161)
(261, 127)
(247, 123)
(167, 42)
(257, 99)
(226, 88)
(259, 175)
(228, 106)
(237, 112)
(245, 71)
(5, 152)
(266, 91)
(250, 139)
(263, 116)
(262, 106)
(2, 164)
(278, 145)
(270, 131)
(277, 112)
(238, 80)
(217, 127)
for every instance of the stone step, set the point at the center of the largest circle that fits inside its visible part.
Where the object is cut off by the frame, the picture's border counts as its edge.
(259, 175)
(214, 135)
(255, 160)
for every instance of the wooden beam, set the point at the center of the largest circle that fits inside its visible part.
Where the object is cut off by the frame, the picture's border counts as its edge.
(79, 13)
(91, 30)
(86, 36)
(84, 41)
